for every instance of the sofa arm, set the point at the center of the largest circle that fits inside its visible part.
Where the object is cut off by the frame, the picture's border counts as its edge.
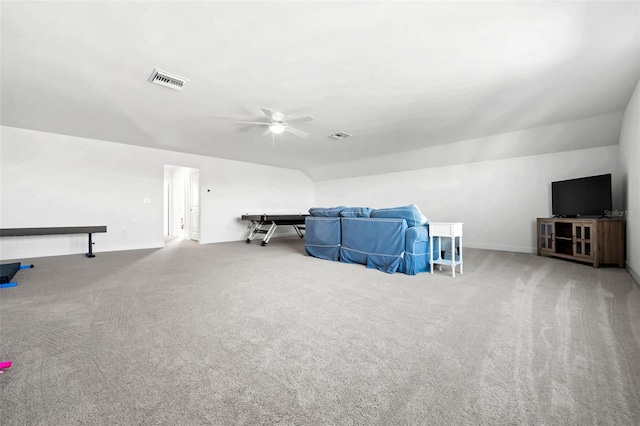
(416, 239)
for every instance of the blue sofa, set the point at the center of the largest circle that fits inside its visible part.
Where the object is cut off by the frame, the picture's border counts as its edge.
(391, 240)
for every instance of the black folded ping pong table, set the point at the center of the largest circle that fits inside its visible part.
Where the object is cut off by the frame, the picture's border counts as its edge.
(273, 221)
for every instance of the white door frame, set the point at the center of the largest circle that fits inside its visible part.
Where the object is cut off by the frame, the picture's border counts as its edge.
(194, 205)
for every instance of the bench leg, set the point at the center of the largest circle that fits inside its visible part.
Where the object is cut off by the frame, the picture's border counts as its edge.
(270, 232)
(298, 229)
(90, 254)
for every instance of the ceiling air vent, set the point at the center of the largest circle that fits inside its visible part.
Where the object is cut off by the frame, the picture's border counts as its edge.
(340, 135)
(166, 79)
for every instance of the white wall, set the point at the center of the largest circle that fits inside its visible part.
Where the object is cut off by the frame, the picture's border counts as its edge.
(498, 200)
(57, 180)
(630, 165)
(592, 132)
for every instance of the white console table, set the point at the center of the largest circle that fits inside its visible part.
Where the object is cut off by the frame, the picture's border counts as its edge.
(451, 230)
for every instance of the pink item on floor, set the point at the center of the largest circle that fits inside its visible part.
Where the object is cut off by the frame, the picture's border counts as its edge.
(4, 364)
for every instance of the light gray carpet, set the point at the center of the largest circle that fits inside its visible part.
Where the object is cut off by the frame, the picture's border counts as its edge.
(231, 333)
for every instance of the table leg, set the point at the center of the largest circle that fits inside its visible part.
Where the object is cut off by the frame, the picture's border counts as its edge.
(431, 253)
(453, 256)
(440, 254)
(461, 261)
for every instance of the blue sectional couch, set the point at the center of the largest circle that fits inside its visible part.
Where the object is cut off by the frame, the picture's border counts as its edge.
(391, 240)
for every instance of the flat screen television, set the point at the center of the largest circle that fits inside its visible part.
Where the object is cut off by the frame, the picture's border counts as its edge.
(587, 196)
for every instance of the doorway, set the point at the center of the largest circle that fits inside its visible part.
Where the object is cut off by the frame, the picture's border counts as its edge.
(182, 203)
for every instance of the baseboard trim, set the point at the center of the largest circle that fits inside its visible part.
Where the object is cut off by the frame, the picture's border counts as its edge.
(634, 274)
(517, 249)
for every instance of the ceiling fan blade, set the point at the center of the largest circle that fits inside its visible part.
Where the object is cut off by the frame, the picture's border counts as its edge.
(296, 132)
(253, 122)
(267, 132)
(268, 113)
(299, 119)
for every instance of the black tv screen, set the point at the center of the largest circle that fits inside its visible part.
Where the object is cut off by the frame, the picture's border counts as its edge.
(587, 196)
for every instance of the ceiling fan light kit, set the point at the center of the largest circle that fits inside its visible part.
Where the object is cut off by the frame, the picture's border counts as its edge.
(278, 123)
(277, 127)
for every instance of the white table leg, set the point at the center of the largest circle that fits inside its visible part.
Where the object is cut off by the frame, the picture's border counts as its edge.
(431, 254)
(461, 261)
(453, 256)
(440, 254)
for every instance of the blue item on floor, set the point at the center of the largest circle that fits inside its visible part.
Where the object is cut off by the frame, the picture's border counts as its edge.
(8, 271)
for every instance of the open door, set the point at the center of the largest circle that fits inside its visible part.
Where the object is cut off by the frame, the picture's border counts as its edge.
(194, 196)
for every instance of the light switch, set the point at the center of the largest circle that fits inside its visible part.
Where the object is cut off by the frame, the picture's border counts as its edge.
(147, 200)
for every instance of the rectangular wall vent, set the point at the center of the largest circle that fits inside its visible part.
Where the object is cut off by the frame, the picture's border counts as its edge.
(166, 79)
(340, 135)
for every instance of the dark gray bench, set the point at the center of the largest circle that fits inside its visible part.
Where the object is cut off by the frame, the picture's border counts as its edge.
(25, 232)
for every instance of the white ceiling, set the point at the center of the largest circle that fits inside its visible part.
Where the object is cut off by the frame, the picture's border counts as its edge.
(398, 76)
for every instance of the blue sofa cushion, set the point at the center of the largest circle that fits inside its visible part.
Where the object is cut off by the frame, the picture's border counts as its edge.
(326, 211)
(356, 212)
(322, 237)
(410, 213)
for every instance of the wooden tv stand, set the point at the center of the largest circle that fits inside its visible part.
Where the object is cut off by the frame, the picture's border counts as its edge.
(595, 241)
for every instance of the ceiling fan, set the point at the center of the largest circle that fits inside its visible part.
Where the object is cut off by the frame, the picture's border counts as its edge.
(279, 123)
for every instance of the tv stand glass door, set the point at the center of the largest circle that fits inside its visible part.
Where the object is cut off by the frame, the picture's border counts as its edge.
(546, 236)
(583, 240)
